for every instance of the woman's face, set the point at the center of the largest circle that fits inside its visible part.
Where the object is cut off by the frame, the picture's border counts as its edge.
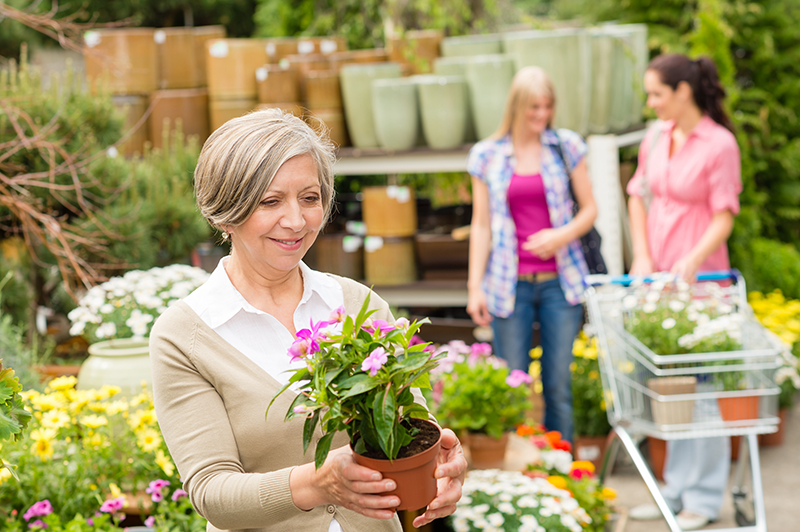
(661, 98)
(538, 114)
(277, 235)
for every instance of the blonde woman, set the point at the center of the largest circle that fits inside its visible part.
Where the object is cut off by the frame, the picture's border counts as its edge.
(220, 355)
(525, 258)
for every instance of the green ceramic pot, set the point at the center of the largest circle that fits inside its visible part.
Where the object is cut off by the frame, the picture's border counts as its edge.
(457, 66)
(443, 103)
(489, 78)
(468, 45)
(565, 54)
(356, 83)
(395, 107)
(124, 363)
(604, 59)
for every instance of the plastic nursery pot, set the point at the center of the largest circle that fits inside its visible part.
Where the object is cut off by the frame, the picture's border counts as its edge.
(487, 452)
(443, 104)
(738, 408)
(124, 363)
(414, 476)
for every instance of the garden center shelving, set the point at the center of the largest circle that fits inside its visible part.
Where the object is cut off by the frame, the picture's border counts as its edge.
(603, 163)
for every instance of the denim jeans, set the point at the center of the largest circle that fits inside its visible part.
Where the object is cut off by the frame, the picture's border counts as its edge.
(559, 323)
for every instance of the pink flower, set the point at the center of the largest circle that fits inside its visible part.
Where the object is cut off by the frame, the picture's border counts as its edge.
(313, 335)
(375, 361)
(415, 340)
(150, 521)
(37, 524)
(179, 494)
(579, 474)
(438, 387)
(479, 350)
(156, 485)
(299, 350)
(337, 316)
(518, 377)
(112, 505)
(157, 496)
(402, 323)
(383, 326)
(539, 441)
(300, 409)
(39, 509)
(90, 521)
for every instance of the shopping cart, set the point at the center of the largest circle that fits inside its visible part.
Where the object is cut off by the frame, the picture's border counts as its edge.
(685, 396)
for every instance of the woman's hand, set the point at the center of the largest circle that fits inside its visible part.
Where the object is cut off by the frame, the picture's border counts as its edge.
(343, 482)
(642, 266)
(476, 307)
(450, 474)
(544, 243)
(686, 268)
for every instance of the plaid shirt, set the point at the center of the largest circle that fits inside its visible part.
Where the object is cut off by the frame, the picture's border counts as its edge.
(493, 162)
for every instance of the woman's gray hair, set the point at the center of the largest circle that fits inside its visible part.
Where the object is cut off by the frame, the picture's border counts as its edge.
(240, 159)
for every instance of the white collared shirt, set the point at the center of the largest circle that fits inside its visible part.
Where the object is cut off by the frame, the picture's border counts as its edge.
(258, 335)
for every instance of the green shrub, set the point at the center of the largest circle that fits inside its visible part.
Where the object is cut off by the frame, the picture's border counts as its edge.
(768, 264)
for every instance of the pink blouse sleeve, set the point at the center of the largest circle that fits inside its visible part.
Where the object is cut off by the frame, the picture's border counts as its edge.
(634, 187)
(725, 179)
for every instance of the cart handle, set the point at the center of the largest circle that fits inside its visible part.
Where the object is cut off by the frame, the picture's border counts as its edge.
(625, 280)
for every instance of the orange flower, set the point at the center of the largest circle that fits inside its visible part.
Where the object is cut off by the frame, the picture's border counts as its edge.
(525, 430)
(583, 464)
(563, 445)
(557, 481)
(553, 437)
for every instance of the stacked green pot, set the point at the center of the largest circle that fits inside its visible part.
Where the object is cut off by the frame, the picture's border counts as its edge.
(443, 105)
(356, 83)
(468, 45)
(605, 50)
(489, 78)
(395, 107)
(457, 66)
(632, 55)
(565, 54)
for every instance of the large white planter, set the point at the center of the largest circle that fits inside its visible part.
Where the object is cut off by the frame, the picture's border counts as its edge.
(443, 104)
(457, 66)
(395, 107)
(565, 54)
(356, 83)
(468, 45)
(489, 79)
(124, 363)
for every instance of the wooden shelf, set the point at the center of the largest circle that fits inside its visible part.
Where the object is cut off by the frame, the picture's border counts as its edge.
(354, 161)
(425, 294)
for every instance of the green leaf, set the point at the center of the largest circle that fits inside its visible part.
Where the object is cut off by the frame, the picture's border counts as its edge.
(274, 397)
(365, 385)
(417, 411)
(422, 381)
(308, 430)
(8, 426)
(323, 447)
(384, 415)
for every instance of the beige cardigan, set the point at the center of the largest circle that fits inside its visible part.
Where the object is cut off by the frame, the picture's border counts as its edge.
(210, 400)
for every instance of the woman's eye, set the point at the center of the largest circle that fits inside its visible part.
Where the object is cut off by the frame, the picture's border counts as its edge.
(269, 202)
(312, 199)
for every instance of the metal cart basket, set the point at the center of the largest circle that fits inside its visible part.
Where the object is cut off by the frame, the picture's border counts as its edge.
(650, 392)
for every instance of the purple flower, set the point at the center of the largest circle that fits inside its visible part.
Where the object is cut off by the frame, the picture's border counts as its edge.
(299, 350)
(383, 326)
(312, 335)
(90, 521)
(112, 505)
(179, 494)
(37, 524)
(39, 509)
(150, 521)
(375, 361)
(154, 489)
(518, 377)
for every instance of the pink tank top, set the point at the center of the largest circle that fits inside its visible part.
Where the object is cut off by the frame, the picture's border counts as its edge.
(528, 207)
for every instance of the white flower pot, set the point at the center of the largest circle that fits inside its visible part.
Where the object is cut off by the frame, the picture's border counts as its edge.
(489, 79)
(124, 363)
(443, 102)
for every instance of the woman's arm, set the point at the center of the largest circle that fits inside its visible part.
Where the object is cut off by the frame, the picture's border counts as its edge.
(642, 262)
(546, 242)
(480, 247)
(713, 237)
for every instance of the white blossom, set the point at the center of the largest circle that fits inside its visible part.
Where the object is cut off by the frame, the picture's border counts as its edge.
(668, 323)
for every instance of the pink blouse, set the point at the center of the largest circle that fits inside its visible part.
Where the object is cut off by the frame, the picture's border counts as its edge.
(701, 179)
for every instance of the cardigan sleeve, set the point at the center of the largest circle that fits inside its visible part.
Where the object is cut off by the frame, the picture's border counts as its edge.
(198, 433)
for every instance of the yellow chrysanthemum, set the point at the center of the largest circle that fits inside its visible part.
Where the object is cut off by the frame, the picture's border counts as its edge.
(62, 383)
(165, 463)
(95, 441)
(94, 422)
(115, 491)
(97, 408)
(148, 440)
(608, 494)
(142, 418)
(45, 402)
(115, 407)
(5, 474)
(42, 443)
(536, 352)
(79, 401)
(55, 419)
(557, 481)
(583, 464)
(537, 386)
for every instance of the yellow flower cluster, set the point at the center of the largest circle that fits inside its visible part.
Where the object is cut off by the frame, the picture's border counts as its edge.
(778, 314)
(585, 347)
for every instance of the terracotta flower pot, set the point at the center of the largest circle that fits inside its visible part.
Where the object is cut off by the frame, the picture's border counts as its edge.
(487, 452)
(738, 408)
(591, 449)
(658, 456)
(776, 438)
(414, 476)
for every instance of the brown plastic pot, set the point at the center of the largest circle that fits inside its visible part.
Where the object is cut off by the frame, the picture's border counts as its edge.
(414, 476)
(487, 452)
(776, 438)
(738, 408)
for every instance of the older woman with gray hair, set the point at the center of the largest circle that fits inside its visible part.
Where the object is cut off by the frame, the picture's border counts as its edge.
(219, 356)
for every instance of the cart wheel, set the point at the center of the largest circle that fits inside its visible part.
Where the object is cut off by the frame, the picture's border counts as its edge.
(745, 513)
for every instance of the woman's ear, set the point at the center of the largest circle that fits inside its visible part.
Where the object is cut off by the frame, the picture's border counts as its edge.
(684, 92)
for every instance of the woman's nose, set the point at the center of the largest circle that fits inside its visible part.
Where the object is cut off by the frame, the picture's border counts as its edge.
(293, 217)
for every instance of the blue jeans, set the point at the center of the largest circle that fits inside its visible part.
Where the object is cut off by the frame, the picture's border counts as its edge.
(545, 303)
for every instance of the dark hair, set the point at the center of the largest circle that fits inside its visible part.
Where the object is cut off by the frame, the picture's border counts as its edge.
(701, 75)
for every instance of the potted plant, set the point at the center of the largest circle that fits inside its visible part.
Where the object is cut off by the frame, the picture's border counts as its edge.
(116, 317)
(588, 402)
(13, 416)
(358, 377)
(476, 394)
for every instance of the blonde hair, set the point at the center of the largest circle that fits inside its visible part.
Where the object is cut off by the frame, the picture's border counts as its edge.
(239, 160)
(529, 82)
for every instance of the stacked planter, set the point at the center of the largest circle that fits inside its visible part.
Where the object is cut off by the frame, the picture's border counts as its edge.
(395, 107)
(232, 87)
(443, 104)
(390, 216)
(279, 86)
(489, 78)
(416, 50)
(356, 86)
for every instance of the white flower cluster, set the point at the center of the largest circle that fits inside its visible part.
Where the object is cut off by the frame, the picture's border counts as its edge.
(502, 501)
(127, 306)
(726, 325)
